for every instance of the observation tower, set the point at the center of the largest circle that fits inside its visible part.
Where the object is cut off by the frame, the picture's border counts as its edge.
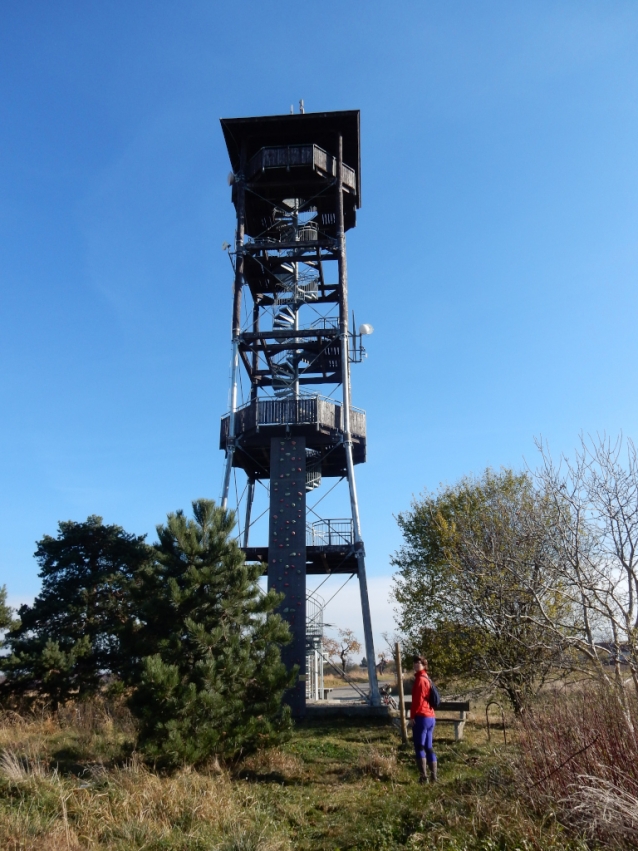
(296, 187)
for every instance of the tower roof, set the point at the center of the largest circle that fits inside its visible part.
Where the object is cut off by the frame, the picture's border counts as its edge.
(319, 128)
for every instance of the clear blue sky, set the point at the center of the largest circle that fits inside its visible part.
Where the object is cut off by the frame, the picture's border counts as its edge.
(496, 252)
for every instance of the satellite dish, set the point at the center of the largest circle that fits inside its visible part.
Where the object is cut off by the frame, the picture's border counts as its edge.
(231, 178)
(225, 246)
(365, 329)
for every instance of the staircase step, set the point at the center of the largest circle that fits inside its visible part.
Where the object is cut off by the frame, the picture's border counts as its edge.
(313, 476)
(285, 318)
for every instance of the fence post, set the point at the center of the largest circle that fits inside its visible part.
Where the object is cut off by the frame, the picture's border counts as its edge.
(404, 728)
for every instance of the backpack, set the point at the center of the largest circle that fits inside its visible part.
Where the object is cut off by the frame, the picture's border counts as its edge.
(434, 698)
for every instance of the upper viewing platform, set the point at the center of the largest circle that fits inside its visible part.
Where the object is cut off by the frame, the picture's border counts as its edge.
(282, 131)
(295, 156)
(288, 157)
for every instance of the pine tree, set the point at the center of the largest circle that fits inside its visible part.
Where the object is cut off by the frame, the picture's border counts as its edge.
(6, 619)
(72, 635)
(5, 611)
(211, 679)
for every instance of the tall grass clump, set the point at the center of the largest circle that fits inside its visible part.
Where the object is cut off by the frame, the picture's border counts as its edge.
(128, 807)
(579, 759)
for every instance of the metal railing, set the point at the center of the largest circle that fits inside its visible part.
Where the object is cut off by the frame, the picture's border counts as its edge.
(330, 533)
(314, 647)
(326, 323)
(314, 616)
(307, 410)
(285, 411)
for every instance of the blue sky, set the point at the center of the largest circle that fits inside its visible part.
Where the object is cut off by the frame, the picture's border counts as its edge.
(496, 252)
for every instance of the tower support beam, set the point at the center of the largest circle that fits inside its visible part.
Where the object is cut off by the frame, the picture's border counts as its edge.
(240, 189)
(375, 697)
(250, 496)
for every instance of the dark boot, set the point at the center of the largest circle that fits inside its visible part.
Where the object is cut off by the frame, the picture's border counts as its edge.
(433, 767)
(421, 764)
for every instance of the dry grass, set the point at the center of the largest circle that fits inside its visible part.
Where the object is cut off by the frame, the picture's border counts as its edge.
(579, 755)
(376, 763)
(17, 766)
(333, 680)
(65, 786)
(608, 811)
(132, 807)
(273, 764)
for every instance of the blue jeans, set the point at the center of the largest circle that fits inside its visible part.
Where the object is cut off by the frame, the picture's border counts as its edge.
(422, 731)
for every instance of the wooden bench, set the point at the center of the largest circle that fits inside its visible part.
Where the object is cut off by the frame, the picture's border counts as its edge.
(460, 707)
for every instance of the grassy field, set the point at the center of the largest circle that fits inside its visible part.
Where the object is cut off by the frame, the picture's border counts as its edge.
(333, 680)
(74, 783)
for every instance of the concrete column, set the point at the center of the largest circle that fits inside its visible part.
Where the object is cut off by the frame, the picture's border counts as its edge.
(287, 553)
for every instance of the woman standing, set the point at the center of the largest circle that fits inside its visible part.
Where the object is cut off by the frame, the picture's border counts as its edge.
(423, 721)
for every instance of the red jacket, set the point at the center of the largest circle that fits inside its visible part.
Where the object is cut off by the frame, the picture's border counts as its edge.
(420, 692)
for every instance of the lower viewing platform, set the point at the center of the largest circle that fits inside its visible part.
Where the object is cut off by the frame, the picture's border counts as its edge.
(318, 420)
(319, 560)
(329, 549)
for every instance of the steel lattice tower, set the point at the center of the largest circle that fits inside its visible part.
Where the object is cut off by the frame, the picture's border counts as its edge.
(296, 186)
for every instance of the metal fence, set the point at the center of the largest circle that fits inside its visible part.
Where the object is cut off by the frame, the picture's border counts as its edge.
(307, 410)
(287, 411)
(314, 647)
(330, 533)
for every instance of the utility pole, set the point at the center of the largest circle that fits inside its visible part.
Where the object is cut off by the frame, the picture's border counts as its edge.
(397, 659)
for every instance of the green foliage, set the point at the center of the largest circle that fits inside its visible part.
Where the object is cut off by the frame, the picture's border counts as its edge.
(73, 634)
(451, 650)
(6, 616)
(6, 619)
(211, 678)
(472, 584)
